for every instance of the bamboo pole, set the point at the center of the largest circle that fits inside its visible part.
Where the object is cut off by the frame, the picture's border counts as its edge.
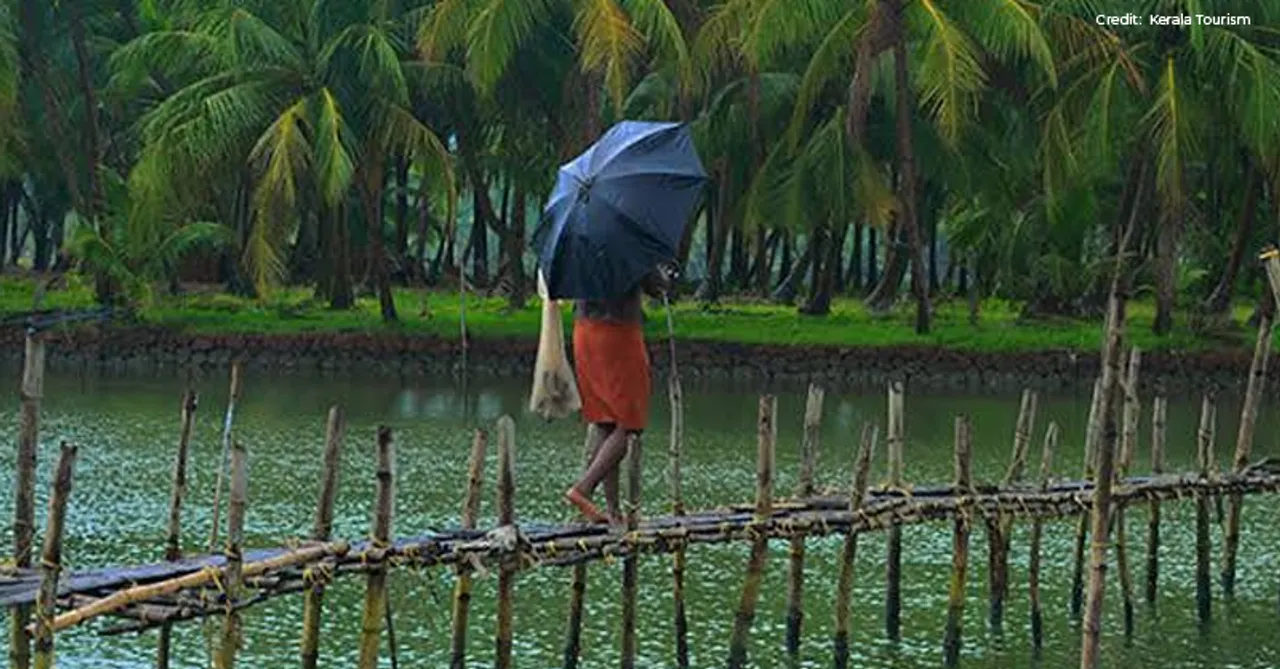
(1000, 528)
(462, 586)
(232, 399)
(1159, 412)
(767, 435)
(1101, 513)
(225, 657)
(51, 560)
(506, 517)
(313, 600)
(1249, 416)
(677, 510)
(24, 505)
(1082, 526)
(1037, 531)
(630, 564)
(1204, 456)
(578, 582)
(959, 545)
(893, 575)
(173, 540)
(1128, 443)
(376, 587)
(844, 586)
(196, 579)
(809, 446)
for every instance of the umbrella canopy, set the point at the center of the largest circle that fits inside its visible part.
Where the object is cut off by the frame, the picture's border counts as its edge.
(618, 210)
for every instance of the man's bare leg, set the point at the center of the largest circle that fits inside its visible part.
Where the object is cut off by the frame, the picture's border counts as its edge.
(607, 458)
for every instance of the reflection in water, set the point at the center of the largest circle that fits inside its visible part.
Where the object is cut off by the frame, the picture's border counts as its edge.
(127, 428)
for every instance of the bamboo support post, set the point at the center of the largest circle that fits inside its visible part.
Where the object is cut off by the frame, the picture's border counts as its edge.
(630, 564)
(1000, 529)
(376, 587)
(678, 561)
(578, 580)
(1204, 456)
(51, 560)
(178, 490)
(24, 505)
(1082, 525)
(893, 574)
(1128, 444)
(462, 586)
(1159, 413)
(844, 586)
(228, 419)
(506, 517)
(959, 545)
(313, 600)
(809, 445)
(1249, 416)
(1100, 516)
(1037, 531)
(767, 435)
(225, 657)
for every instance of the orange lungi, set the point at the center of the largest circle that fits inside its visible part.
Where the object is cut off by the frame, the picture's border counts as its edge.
(612, 366)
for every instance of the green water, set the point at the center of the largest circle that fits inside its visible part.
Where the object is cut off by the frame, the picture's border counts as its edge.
(127, 429)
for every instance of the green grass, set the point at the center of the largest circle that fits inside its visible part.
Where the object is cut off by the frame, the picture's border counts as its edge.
(850, 324)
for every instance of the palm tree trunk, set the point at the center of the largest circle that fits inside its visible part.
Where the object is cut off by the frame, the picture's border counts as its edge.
(717, 234)
(873, 257)
(513, 249)
(826, 264)
(341, 289)
(786, 291)
(886, 288)
(92, 149)
(1167, 241)
(479, 238)
(402, 209)
(853, 279)
(373, 193)
(1220, 300)
(761, 274)
(6, 215)
(907, 180)
(837, 260)
(788, 241)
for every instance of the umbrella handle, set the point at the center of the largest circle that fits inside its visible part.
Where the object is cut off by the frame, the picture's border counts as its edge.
(671, 332)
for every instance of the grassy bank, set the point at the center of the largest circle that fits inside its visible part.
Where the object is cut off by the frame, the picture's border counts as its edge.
(849, 324)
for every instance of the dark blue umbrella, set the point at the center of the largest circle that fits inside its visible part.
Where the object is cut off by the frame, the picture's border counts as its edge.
(618, 210)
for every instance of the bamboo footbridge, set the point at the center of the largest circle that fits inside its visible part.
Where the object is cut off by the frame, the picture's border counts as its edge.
(44, 600)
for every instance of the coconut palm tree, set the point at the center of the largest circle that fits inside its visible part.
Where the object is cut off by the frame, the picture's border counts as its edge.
(303, 104)
(1172, 90)
(943, 55)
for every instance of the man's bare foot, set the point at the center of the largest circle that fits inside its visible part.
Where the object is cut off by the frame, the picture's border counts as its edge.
(590, 511)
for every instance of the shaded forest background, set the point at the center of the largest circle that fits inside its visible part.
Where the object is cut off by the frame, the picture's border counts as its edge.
(892, 150)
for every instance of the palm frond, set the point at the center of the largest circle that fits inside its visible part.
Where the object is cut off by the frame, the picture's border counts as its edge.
(716, 47)
(445, 28)
(829, 61)
(334, 167)
(654, 20)
(402, 133)
(773, 25)
(1252, 83)
(254, 41)
(1011, 29)
(498, 29)
(176, 54)
(609, 45)
(949, 75)
(1170, 122)
(284, 155)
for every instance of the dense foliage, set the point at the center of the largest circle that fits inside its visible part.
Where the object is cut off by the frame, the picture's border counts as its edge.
(987, 147)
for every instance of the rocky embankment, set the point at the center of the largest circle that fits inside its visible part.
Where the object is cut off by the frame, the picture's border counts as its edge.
(143, 350)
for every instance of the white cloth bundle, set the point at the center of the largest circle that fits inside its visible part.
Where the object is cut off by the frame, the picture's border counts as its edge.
(555, 392)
